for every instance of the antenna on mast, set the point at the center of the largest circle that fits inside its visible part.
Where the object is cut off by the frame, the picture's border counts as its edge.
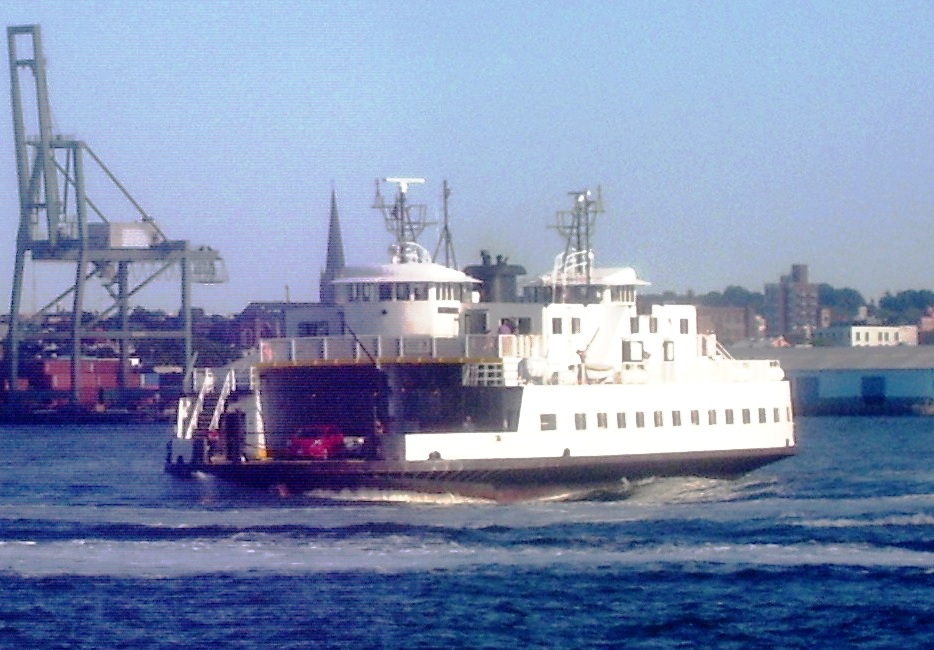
(407, 222)
(446, 238)
(577, 226)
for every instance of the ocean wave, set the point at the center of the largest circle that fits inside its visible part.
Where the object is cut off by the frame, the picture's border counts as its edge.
(405, 553)
(899, 520)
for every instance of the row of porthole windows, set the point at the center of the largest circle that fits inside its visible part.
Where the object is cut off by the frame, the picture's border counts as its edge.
(549, 421)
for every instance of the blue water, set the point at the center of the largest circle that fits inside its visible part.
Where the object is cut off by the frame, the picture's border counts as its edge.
(832, 548)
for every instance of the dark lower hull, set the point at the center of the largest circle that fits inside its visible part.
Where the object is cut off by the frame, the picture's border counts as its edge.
(500, 480)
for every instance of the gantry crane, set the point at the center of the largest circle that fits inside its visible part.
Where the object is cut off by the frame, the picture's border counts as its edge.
(59, 223)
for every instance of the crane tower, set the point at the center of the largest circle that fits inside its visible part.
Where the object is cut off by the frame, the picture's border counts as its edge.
(59, 223)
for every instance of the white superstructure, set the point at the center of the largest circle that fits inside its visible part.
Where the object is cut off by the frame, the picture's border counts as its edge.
(569, 383)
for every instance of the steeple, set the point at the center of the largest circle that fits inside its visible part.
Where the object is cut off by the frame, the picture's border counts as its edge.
(335, 256)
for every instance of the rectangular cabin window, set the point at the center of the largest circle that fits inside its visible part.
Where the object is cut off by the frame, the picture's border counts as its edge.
(684, 326)
(659, 419)
(653, 325)
(403, 291)
(634, 324)
(788, 414)
(575, 326)
(762, 417)
(366, 291)
(633, 351)
(385, 292)
(420, 290)
(676, 418)
(580, 421)
(729, 416)
(556, 326)
(640, 419)
(549, 421)
(314, 328)
(601, 420)
(747, 416)
(712, 416)
(523, 326)
(776, 415)
(620, 420)
(695, 417)
(669, 349)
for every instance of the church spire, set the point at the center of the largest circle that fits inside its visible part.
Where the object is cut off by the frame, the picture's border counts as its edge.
(335, 256)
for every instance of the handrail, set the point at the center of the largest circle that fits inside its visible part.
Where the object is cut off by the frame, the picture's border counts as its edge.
(206, 387)
(724, 352)
(226, 388)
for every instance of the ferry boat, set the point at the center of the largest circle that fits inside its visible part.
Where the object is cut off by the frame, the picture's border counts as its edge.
(414, 376)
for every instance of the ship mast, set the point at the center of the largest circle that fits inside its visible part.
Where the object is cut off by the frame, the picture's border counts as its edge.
(446, 239)
(577, 227)
(404, 220)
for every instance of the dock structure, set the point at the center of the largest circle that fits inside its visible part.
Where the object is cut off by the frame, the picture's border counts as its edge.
(897, 380)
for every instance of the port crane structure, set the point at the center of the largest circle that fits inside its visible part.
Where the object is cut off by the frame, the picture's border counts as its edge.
(60, 223)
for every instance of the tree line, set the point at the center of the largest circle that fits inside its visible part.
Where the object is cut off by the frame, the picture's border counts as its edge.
(902, 308)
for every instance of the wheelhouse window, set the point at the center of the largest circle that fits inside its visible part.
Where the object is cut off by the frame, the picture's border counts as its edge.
(729, 416)
(623, 294)
(676, 418)
(776, 415)
(747, 416)
(385, 292)
(634, 324)
(620, 420)
(403, 291)
(684, 326)
(575, 326)
(653, 325)
(420, 290)
(695, 417)
(640, 419)
(556, 327)
(659, 419)
(580, 421)
(712, 416)
(762, 417)
(549, 421)
(601, 420)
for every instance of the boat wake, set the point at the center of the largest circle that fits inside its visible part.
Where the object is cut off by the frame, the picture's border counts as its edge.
(371, 496)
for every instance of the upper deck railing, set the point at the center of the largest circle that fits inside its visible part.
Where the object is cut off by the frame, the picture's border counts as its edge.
(370, 349)
(710, 362)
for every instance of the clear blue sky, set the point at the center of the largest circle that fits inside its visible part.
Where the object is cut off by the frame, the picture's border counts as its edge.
(731, 139)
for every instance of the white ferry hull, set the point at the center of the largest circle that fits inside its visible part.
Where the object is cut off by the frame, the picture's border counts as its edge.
(500, 480)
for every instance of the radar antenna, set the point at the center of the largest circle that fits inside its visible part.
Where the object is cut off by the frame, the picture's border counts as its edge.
(406, 221)
(577, 227)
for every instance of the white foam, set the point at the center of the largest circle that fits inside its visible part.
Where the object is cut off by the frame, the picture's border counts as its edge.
(403, 553)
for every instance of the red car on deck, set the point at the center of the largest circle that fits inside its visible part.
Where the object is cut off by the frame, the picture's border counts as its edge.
(316, 442)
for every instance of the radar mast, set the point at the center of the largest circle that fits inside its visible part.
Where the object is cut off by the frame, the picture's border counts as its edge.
(577, 227)
(404, 220)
